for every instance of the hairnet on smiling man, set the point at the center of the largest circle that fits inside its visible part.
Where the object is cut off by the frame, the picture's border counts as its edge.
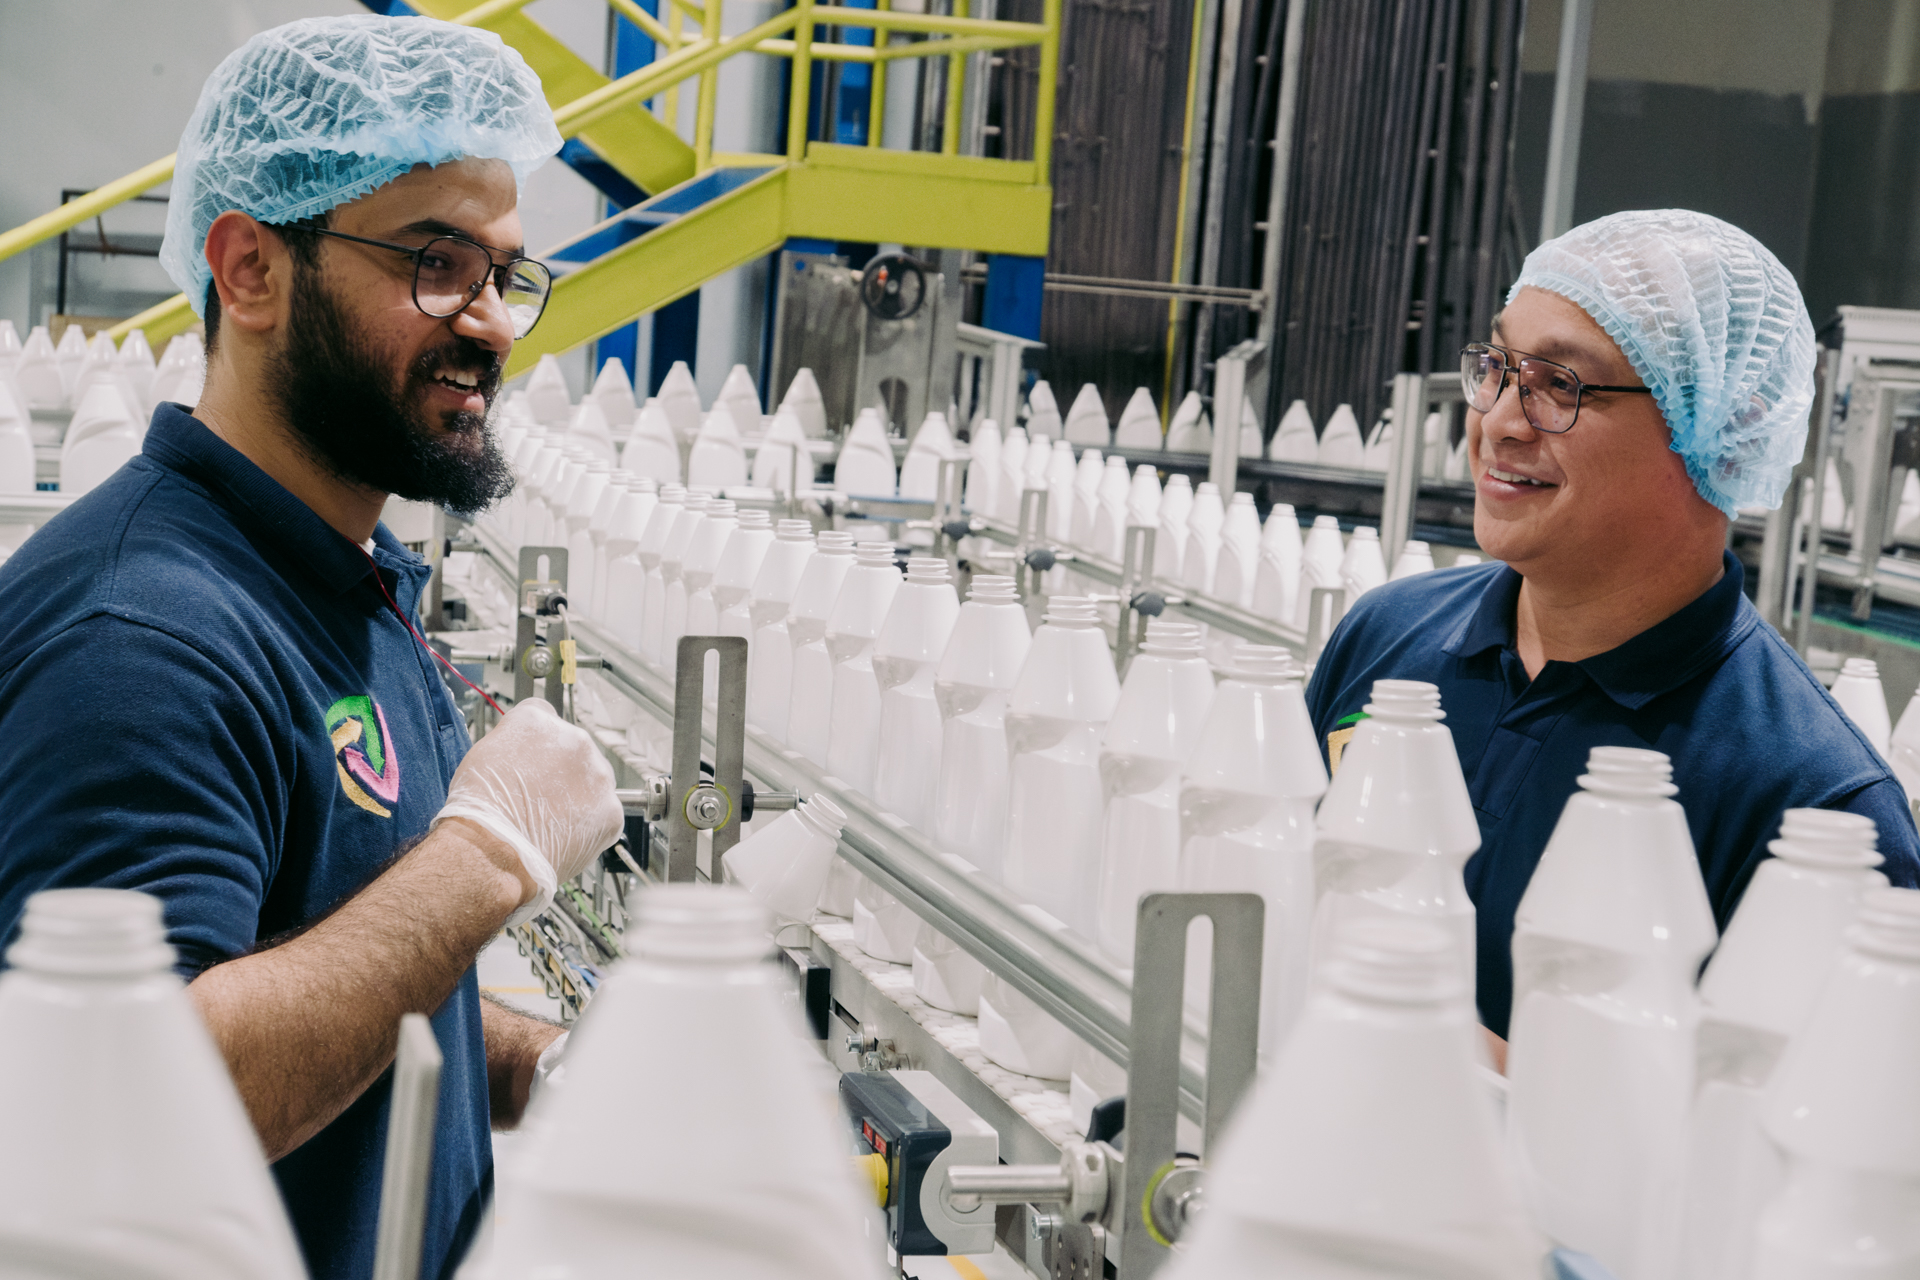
(1713, 323)
(321, 111)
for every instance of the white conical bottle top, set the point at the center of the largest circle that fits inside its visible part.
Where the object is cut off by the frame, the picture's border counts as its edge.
(589, 427)
(920, 470)
(742, 398)
(810, 705)
(1371, 1148)
(1155, 727)
(651, 449)
(853, 728)
(1858, 691)
(547, 393)
(701, 563)
(1415, 557)
(1059, 478)
(1086, 497)
(983, 469)
(1239, 560)
(784, 443)
(865, 466)
(18, 467)
(10, 350)
(1363, 567)
(38, 372)
(609, 1182)
(69, 354)
(679, 399)
(101, 364)
(101, 438)
(1606, 943)
(613, 392)
(135, 364)
(126, 1142)
(1170, 545)
(664, 614)
(1295, 440)
(1139, 423)
(1143, 498)
(1758, 992)
(1340, 443)
(770, 656)
(1247, 796)
(1056, 713)
(1043, 415)
(719, 456)
(734, 576)
(1013, 478)
(623, 580)
(784, 864)
(1190, 432)
(1110, 509)
(1087, 419)
(906, 657)
(977, 671)
(1204, 523)
(1379, 450)
(1251, 444)
(1276, 582)
(803, 397)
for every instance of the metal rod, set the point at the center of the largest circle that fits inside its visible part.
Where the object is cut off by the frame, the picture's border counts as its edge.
(971, 1185)
(1048, 90)
(1277, 190)
(709, 90)
(955, 88)
(1569, 106)
(800, 103)
(877, 92)
(94, 203)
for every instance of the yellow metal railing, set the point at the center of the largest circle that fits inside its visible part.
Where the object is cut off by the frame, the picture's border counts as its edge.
(690, 52)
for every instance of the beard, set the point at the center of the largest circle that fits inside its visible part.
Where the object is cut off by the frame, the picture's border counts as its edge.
(351, 413)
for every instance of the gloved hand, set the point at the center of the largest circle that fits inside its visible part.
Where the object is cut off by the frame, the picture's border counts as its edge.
(541, 785)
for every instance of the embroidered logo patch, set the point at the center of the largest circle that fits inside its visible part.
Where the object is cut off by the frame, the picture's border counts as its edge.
(1338, 739)
(363, 753)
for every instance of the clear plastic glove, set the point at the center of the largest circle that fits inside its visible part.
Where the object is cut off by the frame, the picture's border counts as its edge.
(541, 785)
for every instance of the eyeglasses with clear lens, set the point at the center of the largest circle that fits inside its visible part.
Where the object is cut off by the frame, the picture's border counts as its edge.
(1550, 394)
(450, 272)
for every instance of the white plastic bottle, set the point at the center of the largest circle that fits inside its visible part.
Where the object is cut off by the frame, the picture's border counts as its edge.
(1013, 476)
(1043, 412)
(1016, 1033)
(1247, 795)
(1060, 473)
(1320, 558)
(883, 926)
(853, 723)
(865, 465)
(1843, 1108)
(1056, 714)
(1087, 418)
(1363, 567)
(719, 455)
(1415, 557)
(1143, 498)
(17, 464)
(1110, 510)
(1155, 727)
(659, 618)
(1086, 498)
(1340, 442)
(906, 657)
(1170, 545)
(582, 503)
(624, 578)
(1139, 423)
(1757, 994)
(1397, 826)
(1600, 1064)
(983, 469)
(609, 1182)
(983, 658)
(784, 864)
(651, 449)
(1239, 558)
(733, 577)
(1858, 691)
(1276, 582)
(810, 704)
(679, 399)
(593, 574)
(944, 975)
(696, 614)
(770, 654)
(1371, 1150)
(920, 470)
(639, 576)
(128, 1150)
(1204, 524)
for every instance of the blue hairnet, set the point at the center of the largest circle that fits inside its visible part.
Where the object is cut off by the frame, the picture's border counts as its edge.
(1713, 323)
(319, 112)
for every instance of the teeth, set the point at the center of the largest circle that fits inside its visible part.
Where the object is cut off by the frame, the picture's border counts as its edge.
(466, 380)
(1513, 478)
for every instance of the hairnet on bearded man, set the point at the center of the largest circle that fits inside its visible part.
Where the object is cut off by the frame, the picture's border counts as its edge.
(318, 112)
(1713, 323)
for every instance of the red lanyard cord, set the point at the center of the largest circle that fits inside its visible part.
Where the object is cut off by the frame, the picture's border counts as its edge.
(380, 582)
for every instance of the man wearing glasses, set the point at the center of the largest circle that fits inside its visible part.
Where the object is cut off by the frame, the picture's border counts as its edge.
(1650, 375)
(210, 689)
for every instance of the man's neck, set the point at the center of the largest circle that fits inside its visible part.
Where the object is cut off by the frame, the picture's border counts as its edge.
(1556, 621)
(252, 423)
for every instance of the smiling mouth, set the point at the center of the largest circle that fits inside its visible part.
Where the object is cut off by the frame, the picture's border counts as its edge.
(458, 380)
(1512, 477)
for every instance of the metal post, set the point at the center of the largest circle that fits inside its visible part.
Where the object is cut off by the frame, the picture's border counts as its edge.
(1136, 578)
(800, 100)
(1821, 429)
(1049, 88)
(414, 1104)
(534, 591)
(1569, 106)
(955, 90)
(1403, 464)
(1225, 74)
(729, 752)
(1231, 376)
(1282, 165)
(709, 93)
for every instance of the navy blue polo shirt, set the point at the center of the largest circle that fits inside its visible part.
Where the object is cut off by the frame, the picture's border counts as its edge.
(1749, 729)
(204, 696)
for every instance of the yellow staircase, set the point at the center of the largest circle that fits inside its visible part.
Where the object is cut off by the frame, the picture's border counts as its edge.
(713, 213)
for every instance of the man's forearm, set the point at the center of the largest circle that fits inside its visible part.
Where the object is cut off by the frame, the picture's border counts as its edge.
(306, 1026)
(515, 1042)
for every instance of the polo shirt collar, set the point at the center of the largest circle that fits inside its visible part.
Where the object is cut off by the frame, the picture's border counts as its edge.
(1659, 659)
(182, 443)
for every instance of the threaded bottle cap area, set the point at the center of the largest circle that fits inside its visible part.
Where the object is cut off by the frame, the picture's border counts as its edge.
(1366, 533)
(755, 520)
(1326, 522)
(1416, 547)
(834, 543)
(872, 555)
(1628, 771)
(1178, 481)
(1264, 664)
(721, 509)
(1206, 487)
(1889, 923)
(1829, 838)
(823, 815)
(1394, 962)
(793, 531)
(1171, 638)
(95, 933)
(1072, 611)
(673, 493)
(1242, 499)
(1865, 668)
(928, 571)
(991, 586)
(717, 924)
(1405, 701)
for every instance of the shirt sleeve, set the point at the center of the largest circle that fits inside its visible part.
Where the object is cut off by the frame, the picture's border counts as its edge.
(131, 760)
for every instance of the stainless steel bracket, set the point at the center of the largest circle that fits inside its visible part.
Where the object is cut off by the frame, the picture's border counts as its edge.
(537, 594)
(697, 804)
(1136, 583)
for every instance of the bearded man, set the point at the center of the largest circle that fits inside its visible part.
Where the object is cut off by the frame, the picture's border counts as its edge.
(210, 686)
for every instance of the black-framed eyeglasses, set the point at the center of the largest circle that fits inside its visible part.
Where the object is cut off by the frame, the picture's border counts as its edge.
(1550, 394)
(449, 272)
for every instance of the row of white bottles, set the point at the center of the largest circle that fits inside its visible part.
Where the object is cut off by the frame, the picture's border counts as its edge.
(41, 375)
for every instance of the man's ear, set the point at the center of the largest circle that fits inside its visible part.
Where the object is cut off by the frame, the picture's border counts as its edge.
(251, 272)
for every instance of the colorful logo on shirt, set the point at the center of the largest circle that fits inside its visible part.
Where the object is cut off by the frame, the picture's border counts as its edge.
(363, 752)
